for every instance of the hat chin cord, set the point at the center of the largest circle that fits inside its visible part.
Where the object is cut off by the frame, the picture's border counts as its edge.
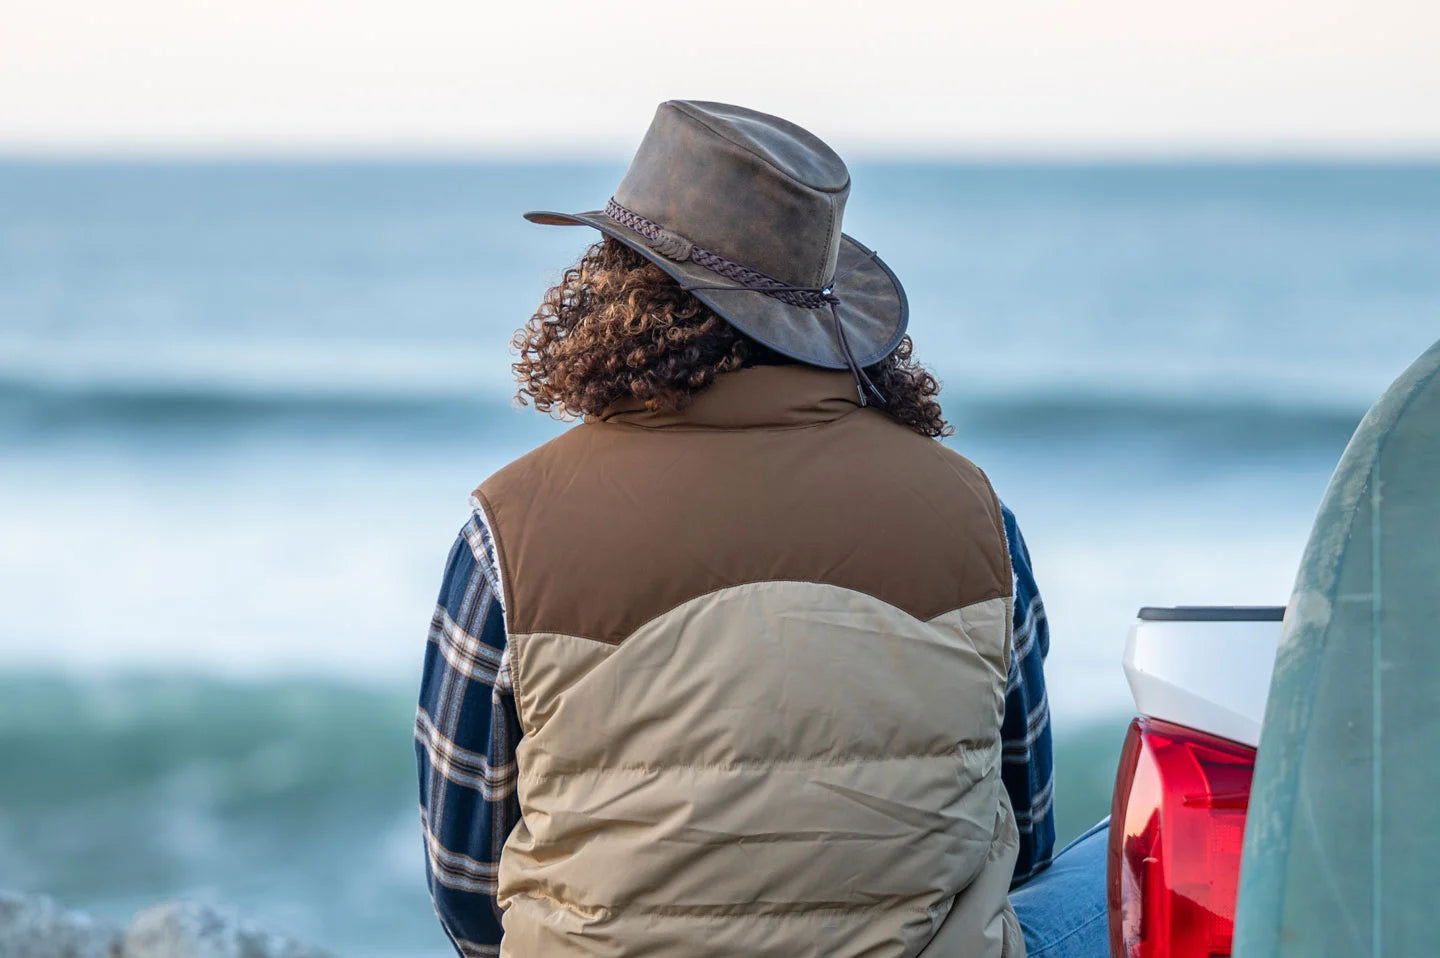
(862, 381)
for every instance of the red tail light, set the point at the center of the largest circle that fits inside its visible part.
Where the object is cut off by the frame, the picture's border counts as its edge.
(1176, 829)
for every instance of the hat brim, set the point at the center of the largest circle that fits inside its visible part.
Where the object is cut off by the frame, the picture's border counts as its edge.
(872, 302)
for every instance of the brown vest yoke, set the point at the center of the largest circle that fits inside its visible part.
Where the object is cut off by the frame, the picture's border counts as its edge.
(774, 473)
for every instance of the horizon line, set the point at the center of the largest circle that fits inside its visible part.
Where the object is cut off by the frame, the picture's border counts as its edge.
(1226, 155)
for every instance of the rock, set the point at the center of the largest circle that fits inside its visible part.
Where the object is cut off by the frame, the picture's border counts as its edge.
(33, 926)
(191, 930)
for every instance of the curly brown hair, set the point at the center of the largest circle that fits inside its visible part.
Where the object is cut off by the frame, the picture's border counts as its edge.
(618, 327)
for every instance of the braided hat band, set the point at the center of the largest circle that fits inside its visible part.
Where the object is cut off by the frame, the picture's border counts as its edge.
(676, 247)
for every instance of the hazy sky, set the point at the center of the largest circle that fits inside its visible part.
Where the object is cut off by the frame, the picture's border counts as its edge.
(879, 76)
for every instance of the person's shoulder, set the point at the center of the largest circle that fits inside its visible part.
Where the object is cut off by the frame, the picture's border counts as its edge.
(956, 460)
(908, 457)
(879, 425)
(523, 473)
(960, 465)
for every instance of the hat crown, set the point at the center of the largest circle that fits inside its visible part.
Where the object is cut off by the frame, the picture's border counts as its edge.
(752, 187)
(791, 149)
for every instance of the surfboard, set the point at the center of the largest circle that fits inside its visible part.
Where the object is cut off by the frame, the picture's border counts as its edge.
(1342, 842)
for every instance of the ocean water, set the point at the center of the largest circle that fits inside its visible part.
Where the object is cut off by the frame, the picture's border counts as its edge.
(242, 405)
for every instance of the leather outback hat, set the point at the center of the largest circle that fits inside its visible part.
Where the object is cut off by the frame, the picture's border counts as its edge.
(743, 209)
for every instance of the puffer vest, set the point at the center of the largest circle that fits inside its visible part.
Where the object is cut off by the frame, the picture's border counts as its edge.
(759, 651)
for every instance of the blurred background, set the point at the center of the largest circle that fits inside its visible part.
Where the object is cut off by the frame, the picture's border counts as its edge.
(260, 263)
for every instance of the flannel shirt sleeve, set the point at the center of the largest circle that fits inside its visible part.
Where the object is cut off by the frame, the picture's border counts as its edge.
(466, 733)
(1028, 769)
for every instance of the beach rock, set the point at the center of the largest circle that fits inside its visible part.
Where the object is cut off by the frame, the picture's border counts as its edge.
(33, 926)
(191, 930)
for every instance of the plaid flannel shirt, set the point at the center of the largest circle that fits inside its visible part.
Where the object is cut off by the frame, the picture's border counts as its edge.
(467, 730)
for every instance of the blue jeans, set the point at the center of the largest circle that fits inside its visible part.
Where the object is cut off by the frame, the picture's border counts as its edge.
(1062, 910)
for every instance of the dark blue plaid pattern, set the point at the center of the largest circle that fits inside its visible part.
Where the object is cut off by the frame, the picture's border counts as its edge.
(467, 730)
(1028, 768)
(466, 733)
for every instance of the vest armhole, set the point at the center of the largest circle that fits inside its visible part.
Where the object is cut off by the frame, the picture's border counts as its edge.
(482, 511)
(998, 515)
(486, 513)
